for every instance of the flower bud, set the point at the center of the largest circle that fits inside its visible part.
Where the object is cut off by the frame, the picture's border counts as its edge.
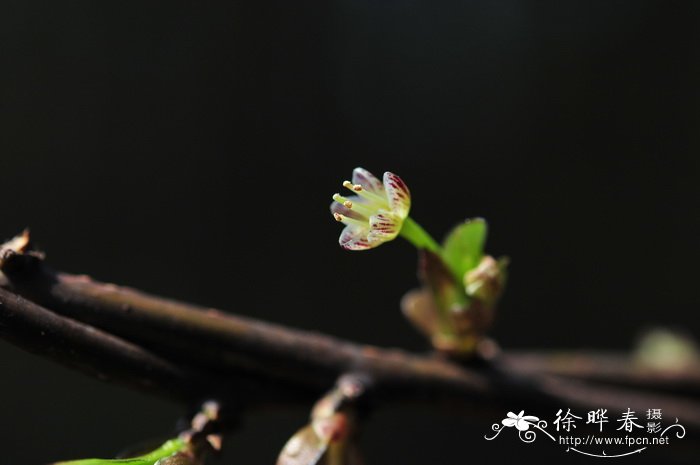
(487, 280)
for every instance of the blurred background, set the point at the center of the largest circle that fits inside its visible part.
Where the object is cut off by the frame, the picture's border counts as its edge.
(191, 150)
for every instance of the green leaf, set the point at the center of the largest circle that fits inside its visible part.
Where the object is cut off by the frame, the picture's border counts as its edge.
(464, 246)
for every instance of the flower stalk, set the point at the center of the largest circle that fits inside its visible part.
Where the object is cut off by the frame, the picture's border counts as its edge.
(419, 237)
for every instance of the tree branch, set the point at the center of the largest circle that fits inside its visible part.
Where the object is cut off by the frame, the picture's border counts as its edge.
(88, 349)
(289, 364)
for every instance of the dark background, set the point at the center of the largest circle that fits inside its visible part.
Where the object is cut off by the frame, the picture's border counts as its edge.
(191, 150)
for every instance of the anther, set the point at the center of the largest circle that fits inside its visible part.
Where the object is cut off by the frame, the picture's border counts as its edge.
(342, 200)
(338, 217)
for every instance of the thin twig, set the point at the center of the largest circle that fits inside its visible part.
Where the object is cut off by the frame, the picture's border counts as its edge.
(606, 367)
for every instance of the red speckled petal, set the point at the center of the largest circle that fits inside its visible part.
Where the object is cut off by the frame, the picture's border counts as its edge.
(367, 180)
(354, 238)
(384, 226)
(398, 195)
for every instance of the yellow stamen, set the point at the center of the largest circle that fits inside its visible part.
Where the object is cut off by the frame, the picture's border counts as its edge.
(348, 221)
(339, 198)
(342, 200)
(376, 199)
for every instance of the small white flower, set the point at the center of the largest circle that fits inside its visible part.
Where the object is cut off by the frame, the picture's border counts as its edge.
(520, 421)
(375, 214)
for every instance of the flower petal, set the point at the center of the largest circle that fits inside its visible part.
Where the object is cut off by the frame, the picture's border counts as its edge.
(522, 425)
(397, 194)
(367, 180)
(508, 422)
(531, 419)
(512, 415)
(384, 226)
(355, 238)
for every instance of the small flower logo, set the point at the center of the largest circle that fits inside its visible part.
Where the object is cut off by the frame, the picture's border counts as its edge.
(375, 214)
(520, 421)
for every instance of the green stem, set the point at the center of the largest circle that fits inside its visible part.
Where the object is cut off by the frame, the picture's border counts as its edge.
(166, 450)
(416, 235)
